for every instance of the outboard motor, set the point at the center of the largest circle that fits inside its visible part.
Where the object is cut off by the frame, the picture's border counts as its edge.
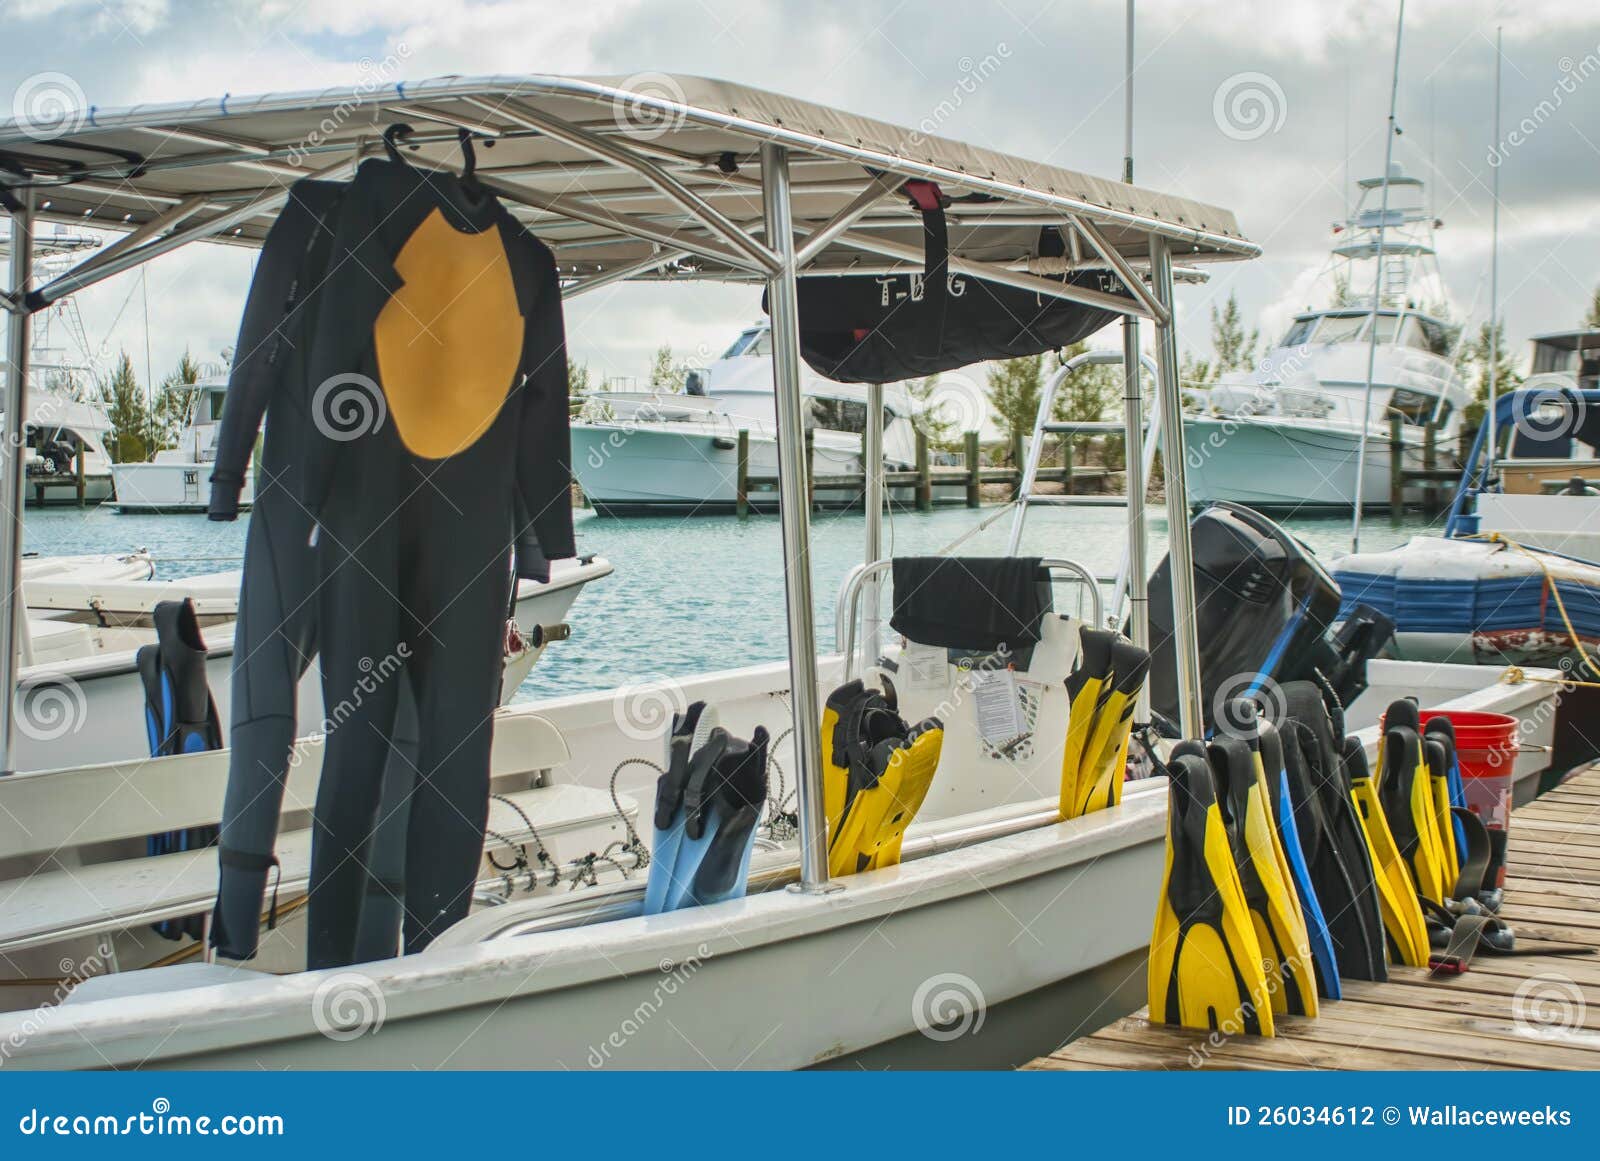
(1266, 609)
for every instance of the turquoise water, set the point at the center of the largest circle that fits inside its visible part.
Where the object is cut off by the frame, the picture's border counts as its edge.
(694, 594)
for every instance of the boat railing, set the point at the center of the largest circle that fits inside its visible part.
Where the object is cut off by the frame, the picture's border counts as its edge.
(847, 606)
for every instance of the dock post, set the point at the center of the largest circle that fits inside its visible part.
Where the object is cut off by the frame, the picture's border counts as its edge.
(741, 495)
(811, 467)
(974, 470)
(82, 487)
(1066, 466)
(1430, 461)
(1016, 464)
(924, 480)
(1397, 471)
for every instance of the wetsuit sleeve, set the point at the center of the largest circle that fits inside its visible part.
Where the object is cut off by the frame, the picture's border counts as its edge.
(544, 450)
(260, 357)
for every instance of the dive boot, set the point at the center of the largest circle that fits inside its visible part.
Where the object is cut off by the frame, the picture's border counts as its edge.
(1205, 961)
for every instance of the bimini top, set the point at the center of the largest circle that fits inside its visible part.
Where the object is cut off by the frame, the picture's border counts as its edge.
(543, 144)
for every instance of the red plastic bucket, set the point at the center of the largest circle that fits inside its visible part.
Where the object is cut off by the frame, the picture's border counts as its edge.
(1486, 749)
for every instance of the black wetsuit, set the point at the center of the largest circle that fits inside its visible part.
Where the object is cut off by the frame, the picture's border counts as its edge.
(440, 400)
(275, 639)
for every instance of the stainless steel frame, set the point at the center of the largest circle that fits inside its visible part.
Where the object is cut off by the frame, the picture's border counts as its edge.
(13, 467)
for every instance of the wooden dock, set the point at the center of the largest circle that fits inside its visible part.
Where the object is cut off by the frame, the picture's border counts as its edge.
(1516, 1012)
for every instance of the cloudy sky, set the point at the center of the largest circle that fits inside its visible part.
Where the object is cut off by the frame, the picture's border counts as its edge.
(1262, 106)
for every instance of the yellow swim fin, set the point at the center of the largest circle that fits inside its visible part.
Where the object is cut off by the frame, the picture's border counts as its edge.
(1405, 791)
(1089, 677)
(1438, 760)
(1205, 961)
(1105, 757)
(1269, 893)
(1403, 924)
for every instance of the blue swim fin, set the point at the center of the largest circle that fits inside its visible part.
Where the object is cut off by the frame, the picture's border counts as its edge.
(688, 756)
(1318, 937)
(719, 825)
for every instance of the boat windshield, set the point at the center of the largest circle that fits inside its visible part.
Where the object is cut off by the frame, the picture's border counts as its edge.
(1325, 329)
(755, 344)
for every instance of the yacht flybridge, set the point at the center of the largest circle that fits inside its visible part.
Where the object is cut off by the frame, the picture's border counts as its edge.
(992, 888)
(1286, 434)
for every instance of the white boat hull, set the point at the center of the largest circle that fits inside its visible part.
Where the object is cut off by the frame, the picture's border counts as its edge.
(1283, 465)
(91, 709)
(169, 487)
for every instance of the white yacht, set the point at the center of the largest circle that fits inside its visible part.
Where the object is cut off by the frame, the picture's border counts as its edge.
(177, 480)
(1287, 434)
(644, 452)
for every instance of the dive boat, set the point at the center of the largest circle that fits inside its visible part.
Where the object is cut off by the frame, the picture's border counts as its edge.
(177, 480)
(656, 452)
(994, 898)
(79, 698)
(1286, 435)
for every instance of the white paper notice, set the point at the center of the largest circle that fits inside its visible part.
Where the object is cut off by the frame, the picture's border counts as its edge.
(924, 667)
(994, 695)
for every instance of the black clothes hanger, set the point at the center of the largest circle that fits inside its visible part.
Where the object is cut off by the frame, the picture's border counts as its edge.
(391, 137)
(469, 157)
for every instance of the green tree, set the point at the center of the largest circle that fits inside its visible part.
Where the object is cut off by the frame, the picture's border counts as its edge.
(174, 406)
(1472, 364)
(1236, 351)
(1592, 319)
(1013, 390)
(577, 378)
(130, 418)
(663, 375)
(930, 413)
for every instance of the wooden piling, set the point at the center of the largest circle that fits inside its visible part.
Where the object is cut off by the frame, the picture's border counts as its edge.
(1017, 456)
(1397, 470)
(811, 467)
(924, 481)
(742, 485)
(1430, 460)
(974, 471)
(79, 474)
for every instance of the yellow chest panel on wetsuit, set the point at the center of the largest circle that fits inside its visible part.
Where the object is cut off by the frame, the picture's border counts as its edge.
(450, 340)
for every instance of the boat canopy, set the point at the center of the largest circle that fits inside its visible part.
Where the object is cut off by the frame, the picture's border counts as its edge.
(138, 167)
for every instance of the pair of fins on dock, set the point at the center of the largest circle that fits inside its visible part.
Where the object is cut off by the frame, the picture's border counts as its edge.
(877, 769)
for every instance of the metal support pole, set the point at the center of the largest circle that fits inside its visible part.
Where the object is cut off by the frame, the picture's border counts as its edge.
(795, 515)
(1494, 268)
(1169, 400)
(1138, 572)
(13, 466)
(1377, 290)
(872, 465)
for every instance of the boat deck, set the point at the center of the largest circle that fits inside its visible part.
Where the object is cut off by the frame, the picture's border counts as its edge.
(1516, 1012)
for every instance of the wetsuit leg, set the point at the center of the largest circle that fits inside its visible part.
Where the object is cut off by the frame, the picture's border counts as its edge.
(364, 662)
(274, 641)
(460, 600)
(378, 936)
